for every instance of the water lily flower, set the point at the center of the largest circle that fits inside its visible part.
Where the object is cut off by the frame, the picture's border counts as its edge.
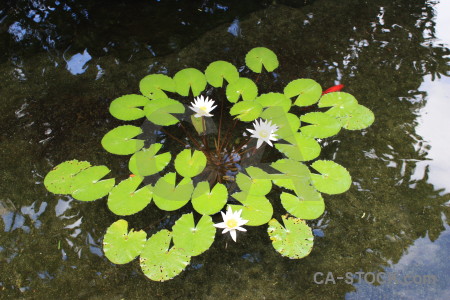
(264, 132)
(232, 222)
(202, 106)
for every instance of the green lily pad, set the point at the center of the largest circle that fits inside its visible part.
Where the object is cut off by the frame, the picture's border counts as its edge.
(304, 148)
(256, 209)
(242, 87)
(124, 200)
(146, 162)
(219, 70)
(59, 179)
(357, 118)
(309, 205)
(274, 99)
(257, 187)
(188, 164)
(87, 186)
(121, 246)
(208, 202)
(126, 107)
(288, 124)
(296, 174)
(158, 262)
(120, 140)
(246, 111)
(169, 197)
(322, 125)
(333, 178)
(259, 57)
(189, 79)
(341, 103)
(295, 240)
(152, 85)
(307, 91)
(159, 111)
(194, 240)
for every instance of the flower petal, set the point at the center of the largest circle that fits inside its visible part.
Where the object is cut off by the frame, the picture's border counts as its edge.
(233, 234)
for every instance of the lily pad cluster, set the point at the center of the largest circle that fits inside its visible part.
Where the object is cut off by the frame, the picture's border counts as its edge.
(299, 177)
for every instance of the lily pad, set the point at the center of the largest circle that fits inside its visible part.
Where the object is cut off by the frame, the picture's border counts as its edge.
(303, 148)
(59, 179)
(333, 178)
(274, 99)
(219, 70)
(246, 111)
(159, 111)
(188, 164)
(146, 162)
(124, 200)
(309, 205)
(341, 103)
(296, 174)
(121, 246)
(294, 240)
(189, 79)
(208, 202)
(322, 125)
(87, 186)
(307, 91)
(257, 187)
(169, 197)
(357, 118)
(288, 124)
(120, 140)
(259, 57)
(256, 209)
(153, 85)
(243, 87)
(158, 262)
(126, 107)
(194, 240)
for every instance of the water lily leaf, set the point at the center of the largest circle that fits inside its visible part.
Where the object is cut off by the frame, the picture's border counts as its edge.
(294, 240)
(295, 174)
(189, 79)
(87, 186)
(208, 202)
(124, 200)
(120, 140)
(243, 87)
(287, 123)
(159, 111)
(146, 162)
(333, 178)
(188, 164)
(158, 262)
(304, 148)
(259, 57)
(309, 205)
(169, 197)
(198, 124)
(274, 99)
(126, 107)
(246, 111)
(152, 85)
(194, 240)
(256, 209)
(219, 70)
(307, 91)
(121, 246)
(59, 179)
(257, 187)
(341, 103)
(357, 118)
(322, 125)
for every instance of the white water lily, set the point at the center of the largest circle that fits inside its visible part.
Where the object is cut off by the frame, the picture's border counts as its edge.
(232, 222)
(264, 132)
(202, 107)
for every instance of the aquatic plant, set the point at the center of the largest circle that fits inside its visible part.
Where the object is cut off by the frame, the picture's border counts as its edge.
(212, 166)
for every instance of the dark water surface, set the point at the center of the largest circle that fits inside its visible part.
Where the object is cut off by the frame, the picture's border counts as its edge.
(62, 63)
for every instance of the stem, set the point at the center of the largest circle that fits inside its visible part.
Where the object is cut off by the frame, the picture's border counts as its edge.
(241, 146)
(174, 137)
(230, 130)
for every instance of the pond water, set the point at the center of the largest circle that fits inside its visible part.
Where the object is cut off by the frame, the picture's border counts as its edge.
(62, 63)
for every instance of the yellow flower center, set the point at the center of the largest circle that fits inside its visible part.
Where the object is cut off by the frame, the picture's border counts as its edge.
(203, 108)
(231, 223)
(264, 133)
